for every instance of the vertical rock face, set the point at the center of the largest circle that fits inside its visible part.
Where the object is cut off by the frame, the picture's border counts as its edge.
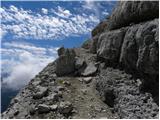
(101, 27)
(128, 12)
(140, 48)
(109, 45)
(135, 46)
(130, 40)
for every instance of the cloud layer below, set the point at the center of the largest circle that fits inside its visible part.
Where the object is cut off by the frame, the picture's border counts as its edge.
(25, 62)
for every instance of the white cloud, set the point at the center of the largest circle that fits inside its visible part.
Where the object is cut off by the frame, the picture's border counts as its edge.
(26, 24)
(44, 11)
(105, 13)
(61, 12)
(89, 5)
(24, 61)
(13, 8)
(94, 6)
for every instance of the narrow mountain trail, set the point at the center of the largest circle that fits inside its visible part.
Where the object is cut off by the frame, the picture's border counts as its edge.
(86, 102)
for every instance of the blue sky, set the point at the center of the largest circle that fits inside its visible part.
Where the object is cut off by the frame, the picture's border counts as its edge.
(31, 32)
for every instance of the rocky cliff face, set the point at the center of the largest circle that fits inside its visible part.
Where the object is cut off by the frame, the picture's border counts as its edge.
(115, 74)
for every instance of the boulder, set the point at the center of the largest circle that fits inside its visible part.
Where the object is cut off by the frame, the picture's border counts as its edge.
(91, 69)
(129, 12)
(65, 107)
(65, 64)
(42, 108)
(52, 97)
(109, 46)
(42, 91)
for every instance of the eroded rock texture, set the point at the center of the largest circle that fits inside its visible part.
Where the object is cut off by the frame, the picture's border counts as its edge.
(132, 12)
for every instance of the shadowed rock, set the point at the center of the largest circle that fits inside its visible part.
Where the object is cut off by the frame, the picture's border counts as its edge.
(128, 12)
(65, 64)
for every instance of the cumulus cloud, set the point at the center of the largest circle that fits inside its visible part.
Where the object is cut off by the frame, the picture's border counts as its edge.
(26, 24)
(61, 12)
(26, 61)
(44, 11)
(91, 5)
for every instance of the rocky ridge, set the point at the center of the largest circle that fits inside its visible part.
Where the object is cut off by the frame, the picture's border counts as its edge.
(113, 75)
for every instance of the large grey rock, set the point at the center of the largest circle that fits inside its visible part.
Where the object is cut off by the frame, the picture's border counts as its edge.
(42, 108)
(109, 46)
(140, 49)
(65, 107)
(42, 91)
(91, 69)
(128, 12)
(65, 64)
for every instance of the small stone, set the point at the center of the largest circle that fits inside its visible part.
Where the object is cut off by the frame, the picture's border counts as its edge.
(53, 107)
(74, 111)
(53, 97)
(91, 106)
(88, 85)
(65, 107)
(67, 83)
(98, 109)
(54, 75)
(139, 82)
(84, 91)
(60, 88)
(35, 83)
(42, 108)
(80, 79)
(32, 111)
(16, 112)
(87, 79)
(41, 93)
(52, 83)
(16, 100)
(103, 110)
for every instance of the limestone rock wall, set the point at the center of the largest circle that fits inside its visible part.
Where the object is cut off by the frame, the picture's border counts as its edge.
(133, 43)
